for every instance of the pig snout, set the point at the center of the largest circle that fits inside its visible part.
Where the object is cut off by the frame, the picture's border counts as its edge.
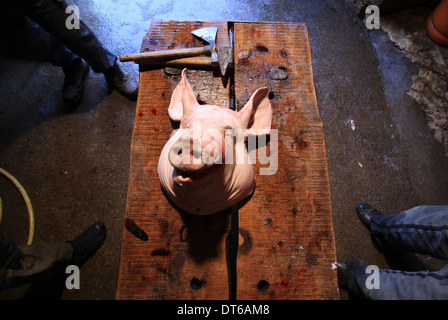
(187, 154)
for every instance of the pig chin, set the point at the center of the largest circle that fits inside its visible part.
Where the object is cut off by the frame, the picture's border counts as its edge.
(183, 179)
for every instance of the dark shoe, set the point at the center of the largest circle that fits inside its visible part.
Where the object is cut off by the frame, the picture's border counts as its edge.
(87, 243)
(365, 212)
(73, 88)
(123, 82)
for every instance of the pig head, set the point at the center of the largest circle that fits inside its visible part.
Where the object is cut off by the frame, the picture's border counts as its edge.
(204, 167)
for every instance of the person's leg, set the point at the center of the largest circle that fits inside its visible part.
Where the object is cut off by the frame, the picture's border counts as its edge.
(52, 16)
(394, 284)
(23, 264)
(35, 260)
(21, 35)
(421, 229)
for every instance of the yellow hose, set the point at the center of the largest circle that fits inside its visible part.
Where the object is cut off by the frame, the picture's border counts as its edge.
(27, 201)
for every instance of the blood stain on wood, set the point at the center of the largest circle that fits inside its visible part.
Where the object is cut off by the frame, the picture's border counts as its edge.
(283, 283)
(177, 263)
(164, 224)
(301, 143)
(300, 272)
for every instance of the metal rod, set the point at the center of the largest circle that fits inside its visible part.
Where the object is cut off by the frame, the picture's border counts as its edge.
(232, 251)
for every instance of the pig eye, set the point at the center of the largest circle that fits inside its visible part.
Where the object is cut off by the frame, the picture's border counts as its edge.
(228, 131)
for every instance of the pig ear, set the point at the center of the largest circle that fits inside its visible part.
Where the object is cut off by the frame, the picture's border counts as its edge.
(183, 100)
(257, 113)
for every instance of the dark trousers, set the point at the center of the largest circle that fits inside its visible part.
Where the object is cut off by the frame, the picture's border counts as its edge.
(422, 230)
(23, 264)
(38, 28)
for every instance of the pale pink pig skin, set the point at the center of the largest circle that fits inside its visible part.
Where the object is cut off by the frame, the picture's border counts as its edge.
(221, 185)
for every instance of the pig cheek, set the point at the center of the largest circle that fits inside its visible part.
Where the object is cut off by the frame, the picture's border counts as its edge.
(211, 143)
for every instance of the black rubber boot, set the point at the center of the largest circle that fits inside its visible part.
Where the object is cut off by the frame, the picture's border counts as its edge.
(87, 243)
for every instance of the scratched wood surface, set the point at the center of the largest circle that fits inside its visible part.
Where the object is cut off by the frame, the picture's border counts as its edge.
(286, 233)
(183, 256)
(286, 243)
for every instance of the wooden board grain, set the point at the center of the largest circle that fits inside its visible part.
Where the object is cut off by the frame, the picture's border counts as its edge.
(286, 233)
(286, 243)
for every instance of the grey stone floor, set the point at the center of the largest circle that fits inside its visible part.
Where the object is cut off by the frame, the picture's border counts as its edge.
(75, 166)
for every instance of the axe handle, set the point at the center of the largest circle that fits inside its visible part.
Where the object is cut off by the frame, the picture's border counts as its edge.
(165, 54)
(202, 61)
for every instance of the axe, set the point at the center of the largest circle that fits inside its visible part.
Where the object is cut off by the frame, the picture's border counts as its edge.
(190, 57)
(206, 35)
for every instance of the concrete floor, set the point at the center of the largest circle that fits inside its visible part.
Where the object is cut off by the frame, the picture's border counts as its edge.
(75, 166)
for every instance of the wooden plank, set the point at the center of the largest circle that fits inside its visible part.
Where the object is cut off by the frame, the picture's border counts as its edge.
(286, 245)
(286, 237)
(183, 256)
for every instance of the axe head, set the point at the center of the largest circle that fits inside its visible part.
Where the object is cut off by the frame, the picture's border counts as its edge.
(207, 34)
(225, 58)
